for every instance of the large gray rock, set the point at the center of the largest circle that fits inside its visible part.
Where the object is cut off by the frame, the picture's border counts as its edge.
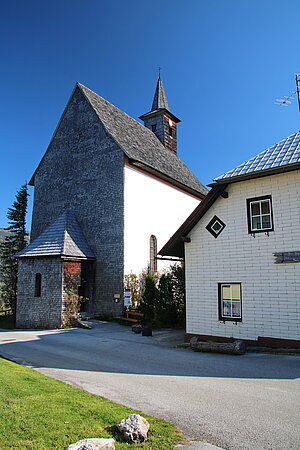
(134, 428)
(93, 444)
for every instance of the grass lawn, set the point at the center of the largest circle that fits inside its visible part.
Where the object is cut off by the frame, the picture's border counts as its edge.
(38, 412)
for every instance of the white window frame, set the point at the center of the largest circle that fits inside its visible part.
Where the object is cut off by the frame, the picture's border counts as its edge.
(219, 223)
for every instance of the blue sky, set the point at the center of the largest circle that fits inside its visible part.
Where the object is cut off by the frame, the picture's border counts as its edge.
(224, 63)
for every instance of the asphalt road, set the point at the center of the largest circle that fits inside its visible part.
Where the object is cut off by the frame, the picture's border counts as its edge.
(235, 402)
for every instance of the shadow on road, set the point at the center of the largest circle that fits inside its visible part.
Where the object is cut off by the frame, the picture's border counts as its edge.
(113, 348)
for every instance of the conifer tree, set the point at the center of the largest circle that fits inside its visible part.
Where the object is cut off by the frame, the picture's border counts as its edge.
(14, 242)
(149, 299)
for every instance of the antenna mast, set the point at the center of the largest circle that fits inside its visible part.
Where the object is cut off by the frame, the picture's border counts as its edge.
(286, 100)
(297, 78)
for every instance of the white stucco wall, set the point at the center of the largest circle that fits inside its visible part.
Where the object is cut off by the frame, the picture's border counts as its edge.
(151, 207)
(270, 292)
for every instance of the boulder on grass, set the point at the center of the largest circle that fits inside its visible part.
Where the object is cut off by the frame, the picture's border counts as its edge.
(93, 444)
(134, 428)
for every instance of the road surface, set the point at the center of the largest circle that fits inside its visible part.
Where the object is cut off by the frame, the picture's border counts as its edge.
(235, 402)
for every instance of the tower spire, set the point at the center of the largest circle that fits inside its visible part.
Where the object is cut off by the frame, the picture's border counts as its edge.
(160, 120)
(160, 99)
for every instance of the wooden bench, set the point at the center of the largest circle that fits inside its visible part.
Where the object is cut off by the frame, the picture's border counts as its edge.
(131, 316)
(5, 312)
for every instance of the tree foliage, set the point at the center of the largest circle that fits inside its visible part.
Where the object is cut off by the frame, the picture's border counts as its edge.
(133, 282)
(13, 243)
(163, 301)
(148, 304)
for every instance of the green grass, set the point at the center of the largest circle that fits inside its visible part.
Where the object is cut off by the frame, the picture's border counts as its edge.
(38, 412)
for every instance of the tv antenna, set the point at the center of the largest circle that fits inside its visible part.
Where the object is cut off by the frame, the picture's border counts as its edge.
(287, 99)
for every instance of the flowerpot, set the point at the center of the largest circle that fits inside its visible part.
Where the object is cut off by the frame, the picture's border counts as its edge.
(136, 329)
(147, 332)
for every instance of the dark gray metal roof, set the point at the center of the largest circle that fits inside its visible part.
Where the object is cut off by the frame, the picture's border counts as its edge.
(160, 99)
(141, 144)
(62, 238)
(285, 152)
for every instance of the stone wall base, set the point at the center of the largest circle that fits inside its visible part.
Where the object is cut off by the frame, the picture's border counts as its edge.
(261, 341)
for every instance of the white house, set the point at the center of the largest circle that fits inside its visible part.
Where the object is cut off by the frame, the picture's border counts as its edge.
(242, 252)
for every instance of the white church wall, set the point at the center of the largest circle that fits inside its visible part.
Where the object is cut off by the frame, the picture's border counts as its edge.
(151, 207)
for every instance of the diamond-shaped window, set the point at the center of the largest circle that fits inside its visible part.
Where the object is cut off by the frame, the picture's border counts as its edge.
(215, 226)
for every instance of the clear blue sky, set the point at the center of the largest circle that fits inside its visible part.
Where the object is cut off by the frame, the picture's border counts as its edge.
(224, 62)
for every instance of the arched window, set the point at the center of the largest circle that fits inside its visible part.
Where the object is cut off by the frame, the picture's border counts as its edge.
(153, 252)
(38, 285)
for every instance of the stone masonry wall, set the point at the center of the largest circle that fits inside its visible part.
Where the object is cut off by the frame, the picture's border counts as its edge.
(71, 281)
(83, 170)
(43, 311)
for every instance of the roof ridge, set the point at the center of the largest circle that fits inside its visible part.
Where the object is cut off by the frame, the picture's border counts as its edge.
(111, 104)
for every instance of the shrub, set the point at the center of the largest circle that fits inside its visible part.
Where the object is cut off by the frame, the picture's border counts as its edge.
(163, 301)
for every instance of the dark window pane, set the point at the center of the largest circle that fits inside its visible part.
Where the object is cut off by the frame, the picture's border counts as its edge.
(266, 222)
(216, 226)
(255, 209)
(265, 207)
(256, 223)
(227, 309)
(38, 285)
(236, 309)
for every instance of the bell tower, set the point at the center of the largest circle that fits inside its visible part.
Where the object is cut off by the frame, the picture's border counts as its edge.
(160, 120)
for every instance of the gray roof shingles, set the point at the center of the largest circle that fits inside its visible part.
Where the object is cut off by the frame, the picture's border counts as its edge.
(160, 99)
(140, 144)
(284, 153)
(62, 238)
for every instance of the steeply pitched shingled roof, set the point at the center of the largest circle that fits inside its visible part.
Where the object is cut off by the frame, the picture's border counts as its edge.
(140, 144)
(62, 238)
(285, 152)
(160, 99)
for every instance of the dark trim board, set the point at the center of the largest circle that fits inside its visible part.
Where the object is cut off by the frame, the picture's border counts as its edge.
(257, 174)
(261, 341)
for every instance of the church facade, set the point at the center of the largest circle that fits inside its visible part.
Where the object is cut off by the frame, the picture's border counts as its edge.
(104, 196)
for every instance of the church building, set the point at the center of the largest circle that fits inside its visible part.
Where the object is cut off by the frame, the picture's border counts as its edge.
(108, 192)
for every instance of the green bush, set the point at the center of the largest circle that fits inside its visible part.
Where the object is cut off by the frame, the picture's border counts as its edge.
(163, 302)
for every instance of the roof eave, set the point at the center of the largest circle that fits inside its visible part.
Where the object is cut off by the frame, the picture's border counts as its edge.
(57, 255)
(159, 111)
(175, 245)
(257, 174)
(166, 178)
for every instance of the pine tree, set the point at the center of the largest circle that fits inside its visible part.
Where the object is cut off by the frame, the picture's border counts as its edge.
(13, 243)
